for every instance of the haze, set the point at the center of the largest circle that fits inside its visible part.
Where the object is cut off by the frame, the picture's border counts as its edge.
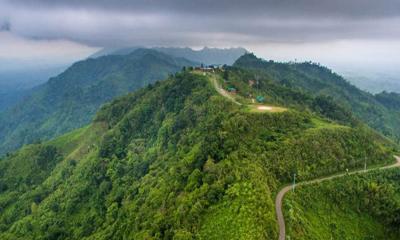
(357, 35)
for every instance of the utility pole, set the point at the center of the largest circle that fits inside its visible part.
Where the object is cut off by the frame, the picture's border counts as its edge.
(365, 164)
(294, 181)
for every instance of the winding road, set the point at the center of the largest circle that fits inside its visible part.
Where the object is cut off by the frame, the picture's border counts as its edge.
(281, 194)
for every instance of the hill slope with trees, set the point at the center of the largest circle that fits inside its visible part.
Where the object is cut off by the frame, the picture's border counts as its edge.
(362, 206)
(317, 80)
(70, 100)
(176, 160)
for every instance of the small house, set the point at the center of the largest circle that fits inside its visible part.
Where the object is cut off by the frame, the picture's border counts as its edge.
(260, 99)
(231, 89)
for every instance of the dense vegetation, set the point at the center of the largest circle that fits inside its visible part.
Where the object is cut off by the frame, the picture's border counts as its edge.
(176, 160)
(390, 100)
(363, 206)
(316, 80)
(70, 100)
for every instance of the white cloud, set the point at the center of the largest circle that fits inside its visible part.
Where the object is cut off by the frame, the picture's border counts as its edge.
(17, 52)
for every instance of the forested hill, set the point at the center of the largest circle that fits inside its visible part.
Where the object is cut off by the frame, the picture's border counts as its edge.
(177, 160)
(377, 111)
(71, 99)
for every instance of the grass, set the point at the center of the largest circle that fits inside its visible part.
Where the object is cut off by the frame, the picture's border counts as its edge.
(78, 142)
(322, 220)
(319, 123)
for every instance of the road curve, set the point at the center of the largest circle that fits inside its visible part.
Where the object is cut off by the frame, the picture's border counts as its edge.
(281, 194)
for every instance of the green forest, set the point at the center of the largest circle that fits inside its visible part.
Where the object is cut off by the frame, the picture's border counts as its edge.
(176, 160)
(362, 206)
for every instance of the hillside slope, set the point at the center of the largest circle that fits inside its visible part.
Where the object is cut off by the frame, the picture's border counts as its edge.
(175, 160)
(361, 206)
(71, 99)
(320, 81)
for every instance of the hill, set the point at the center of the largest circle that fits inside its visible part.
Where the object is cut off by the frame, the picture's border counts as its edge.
(178, 160)
(70, 100)
(317, 80)
(206, 55)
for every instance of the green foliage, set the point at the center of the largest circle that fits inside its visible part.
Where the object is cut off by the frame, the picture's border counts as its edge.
(362, 206)
(175, 161)
(315, 80)
(265, 89)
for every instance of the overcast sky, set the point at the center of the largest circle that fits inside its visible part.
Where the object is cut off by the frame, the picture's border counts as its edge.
(341, 32)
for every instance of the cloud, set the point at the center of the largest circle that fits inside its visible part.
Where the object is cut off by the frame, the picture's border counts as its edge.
(21, 53)
(151, 22)
(238, 8)
(348, 31)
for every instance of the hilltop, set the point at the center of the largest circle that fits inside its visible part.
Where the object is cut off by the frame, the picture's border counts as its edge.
(316, 80)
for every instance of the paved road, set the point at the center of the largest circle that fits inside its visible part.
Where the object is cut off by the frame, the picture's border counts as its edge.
(281, 194)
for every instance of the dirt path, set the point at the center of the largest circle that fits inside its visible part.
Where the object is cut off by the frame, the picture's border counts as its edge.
(281, 194)
(221, 91)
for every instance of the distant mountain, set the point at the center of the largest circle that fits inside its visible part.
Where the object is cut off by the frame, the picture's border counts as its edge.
(320, 81)
(391, 100)
(70, 100)
(206, 55)
(14, 85)
(114, 51)
(10, 97)
(373, 81)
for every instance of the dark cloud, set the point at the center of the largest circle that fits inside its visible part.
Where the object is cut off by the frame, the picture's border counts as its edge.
(206, 22)
(240, 8)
